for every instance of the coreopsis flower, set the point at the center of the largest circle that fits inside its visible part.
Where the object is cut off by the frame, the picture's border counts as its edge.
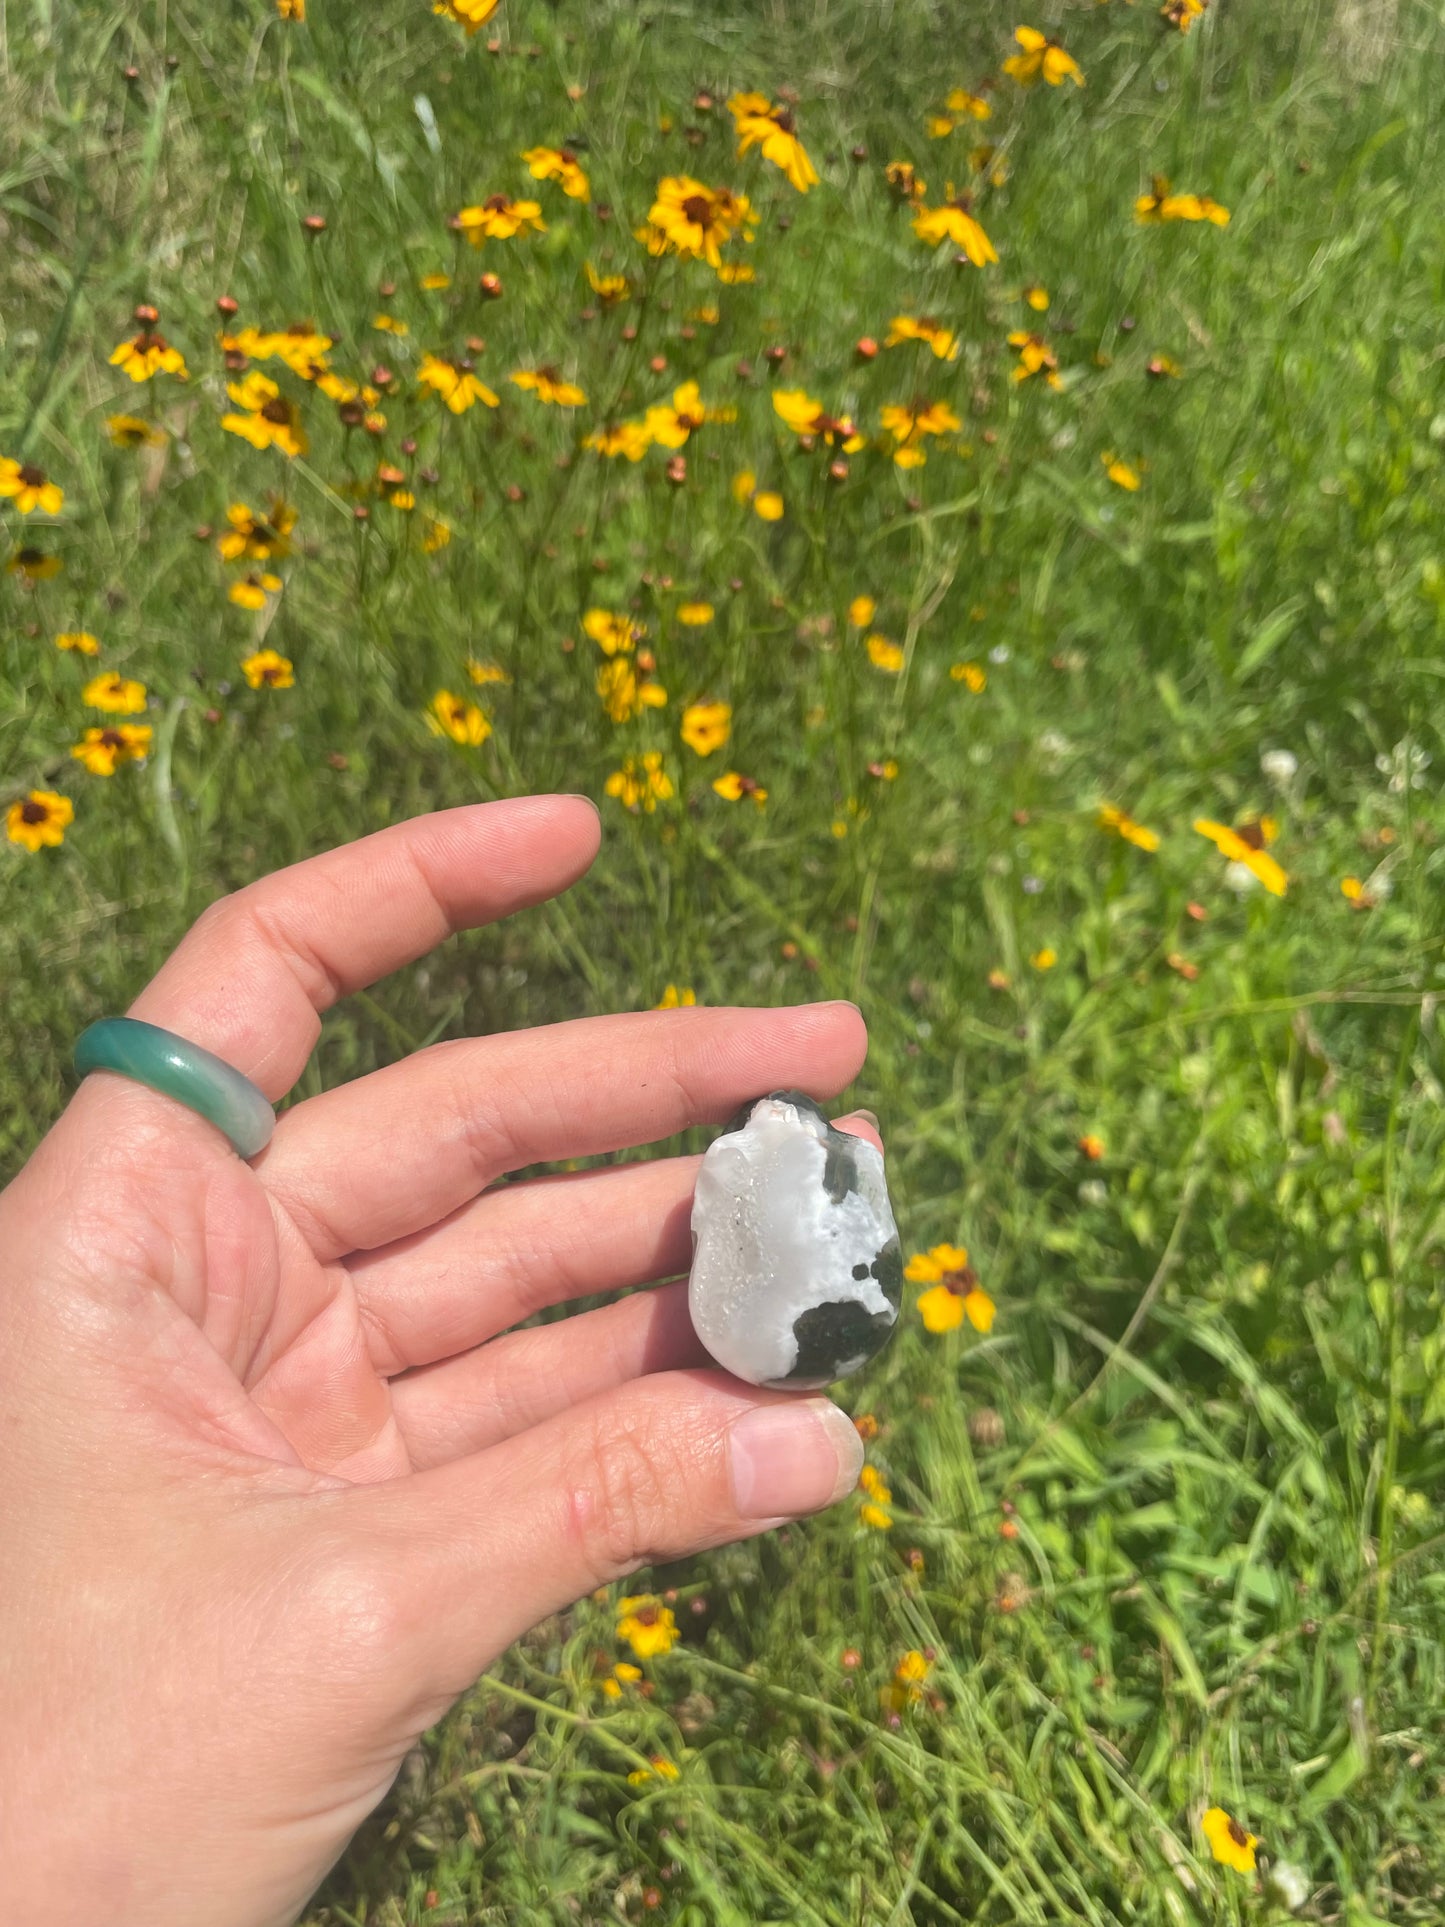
(1044, 959)
(1091, 1145)
(695, 615)
(35, 565)
(547, 385)
(658, 1769)
(1041, 58)
(647, 1625)
(861, 611)
(732, 787)
(1120, 473)
(80, 640)
(1183, 13)
(698, 220)
(1122, 824)
(966, 106)
(559, 164)
(436, 534)
(884, 654)
(267, 418)
(267, 669)
(1231, 1844)
(148, 354)
(769, 505)
(608, 288)
(972, 673)
(130, 431)
(955, 222)
(908, 1678)
(117, 695)
(614, 634)
(653, 238)
(1160, 204)
(454, 716)
(102, 751)
(808, 417)
(387, 324)
(1246, 846)
(1037, 297)
(772, 129)
(631, 439)
(291, 9)
(906, 327)
(676, 998)
(627, 690)
(39, 820)
(672, 425)
(253, 589)
(300, 344)
(483, 673)
(641, 783)
(258, 538)
(499, 218)
(623, 1675)
(874, 1509)
(471, 14)
(954, 1291)
(909, 423)
(906, 183)
(1036, 358)
(29, 488)
(706, 726)
(435, 282)
(454, 383)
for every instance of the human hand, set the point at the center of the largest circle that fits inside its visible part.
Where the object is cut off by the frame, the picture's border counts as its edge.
(275, 1491)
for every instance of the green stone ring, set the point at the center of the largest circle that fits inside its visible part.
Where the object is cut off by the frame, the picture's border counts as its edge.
(203, 1082)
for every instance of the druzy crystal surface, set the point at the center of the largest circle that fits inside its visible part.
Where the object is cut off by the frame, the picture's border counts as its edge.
(796, 1270)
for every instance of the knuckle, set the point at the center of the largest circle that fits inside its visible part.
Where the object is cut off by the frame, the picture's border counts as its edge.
(621, 1500)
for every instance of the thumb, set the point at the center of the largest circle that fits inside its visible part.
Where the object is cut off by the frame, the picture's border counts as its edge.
(667, 1465)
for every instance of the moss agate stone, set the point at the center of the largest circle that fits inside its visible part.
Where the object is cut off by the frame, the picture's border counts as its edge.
(797, 1273)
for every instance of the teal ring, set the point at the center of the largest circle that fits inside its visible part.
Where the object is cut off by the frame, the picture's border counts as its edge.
(204, 1083)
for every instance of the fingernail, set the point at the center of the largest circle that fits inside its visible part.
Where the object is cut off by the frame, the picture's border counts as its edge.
(869, 1117)
(792, 1458)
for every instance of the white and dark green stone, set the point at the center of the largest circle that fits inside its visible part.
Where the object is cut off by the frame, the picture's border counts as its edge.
(797, 1273)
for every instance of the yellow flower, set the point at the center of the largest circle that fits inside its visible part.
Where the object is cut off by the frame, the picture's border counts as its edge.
(698, 220)
(625, 692)
(641, 782)
(148, 354)
(773, 131)
(1041, 57)
(436, 535)
(39, 819)
(1183, 13)
(1036, 357)
(808, 417)
(1160, 205)
(547, 385)
(608, 288)
(884, 654)
(558, 164)
(905, 181)
(454, 383)
(269, 419)
(879, 1496)
(955, 1292)
(941, 340)
(706, 726)
(632, 439)
(613, 634)
(102, 751)
(266, 669)
(967, 106)
(499, 218)
(672, 426)
(1119, 472)
(482, 673)
(435, 282)
(115, 694)
(29, 488)
(34, 564)
(253, 588)
(455, 717)
(1351, 889)
(80, 640)
(1036, 296)
(623, 1675)
(647, 1625)
(912, 1669)
(744, 485)
(1044, 959)
(1246, 845)
(861, 611)
(1122, 824)
(908, 423)
(129, 431)
(954, 221)
(1092, 1146)
(732, 788)
(769, 505)
(695, 615)
(972, 673)
(660, 1769)
(387, 324)
(1230, 1843)
(674, 998)
(471, 14)
(291, 9)
(258, 538)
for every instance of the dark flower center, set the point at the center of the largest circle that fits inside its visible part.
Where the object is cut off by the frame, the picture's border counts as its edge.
(31, 476)
(496, 203)
(110, 739)
(960, 1283)
(277, 411)
(699, 210)
(31, 812)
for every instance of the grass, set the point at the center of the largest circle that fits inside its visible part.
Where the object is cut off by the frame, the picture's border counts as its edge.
(1169, 1537)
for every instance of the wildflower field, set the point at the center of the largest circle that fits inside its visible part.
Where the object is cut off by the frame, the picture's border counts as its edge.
(964, 490)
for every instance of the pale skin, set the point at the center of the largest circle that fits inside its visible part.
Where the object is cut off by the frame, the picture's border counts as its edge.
(280, 1483)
